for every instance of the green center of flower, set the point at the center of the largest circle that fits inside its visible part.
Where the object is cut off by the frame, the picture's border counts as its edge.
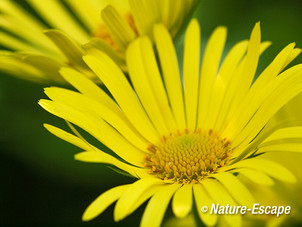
(189, 156)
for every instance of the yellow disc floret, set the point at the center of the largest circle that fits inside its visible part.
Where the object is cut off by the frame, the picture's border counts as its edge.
(189, 156)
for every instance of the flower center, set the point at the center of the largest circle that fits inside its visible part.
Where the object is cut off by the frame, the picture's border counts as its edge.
(103, 32)
(189, 156)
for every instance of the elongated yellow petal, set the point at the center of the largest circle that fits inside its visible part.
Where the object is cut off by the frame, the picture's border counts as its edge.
(62, 19)
(89, 88)
(67, 137)
(238, 191)
(13, 66)
(44, 64)
(14, 43)
(157, 206)
(284, 134)
(268, 167)
(191, 72)
(256, 176)
(284, 146)
(30, 34)
(82, 103)
(146, 14)
(132, 195)
(273, 69)
(249, 68)
(69, 48)
(202, 199)
(87, 11)
(282, 95)
(286, 84)
(121, 32)
(13, 9)
(208, 71)
(171, 74)
(262, 81)
(295, 52)
(101, 45)
(157, 83)
(139, 78)
(182, 201)
(103, 201)
(97, 128)
(224, 112)
(99, 156)
(222, 80)
(121, 90)
(147, 194)
(221, 195)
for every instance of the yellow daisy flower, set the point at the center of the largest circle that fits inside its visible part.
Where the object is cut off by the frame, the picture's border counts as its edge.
(73, 23)
(186, 136)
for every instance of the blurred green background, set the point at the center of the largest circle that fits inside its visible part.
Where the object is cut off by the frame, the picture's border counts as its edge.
(41, 184)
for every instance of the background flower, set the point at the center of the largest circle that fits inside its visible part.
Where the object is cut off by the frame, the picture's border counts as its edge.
(49, 34)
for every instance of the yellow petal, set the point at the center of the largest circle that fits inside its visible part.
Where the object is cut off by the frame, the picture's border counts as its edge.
(98, 128)
(14, 66)
(202, 198)
(69, 48)
(146, 14)
(121, 90)
(208, 71)
(284, 89)
(237, 190)
(191, 61)
(171, 74)
(155, 210)
(44, 64)
(156, 83)
(295, 52)
(284, 134)
(99, 156)
(102, 202)
(268, 167)
(258, 86)
(62, 19)
(221, 195)
(13, 9)
(96, 44)
(182, 201)
(139, 79)
(89, 88)
(132, 195)
(283, 146)
(250, 66)
(222, 80)
(120, 31)
(255, 176)
(29, 35)
(67, 137)
(14, 43)
(225, 113)
(82, 103)
(88, 11)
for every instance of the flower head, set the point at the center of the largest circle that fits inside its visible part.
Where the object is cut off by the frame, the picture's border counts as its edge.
(182, 134)
(38, 49)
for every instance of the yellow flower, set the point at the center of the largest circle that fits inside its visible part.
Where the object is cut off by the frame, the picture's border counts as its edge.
(72, 23)
(182, 134)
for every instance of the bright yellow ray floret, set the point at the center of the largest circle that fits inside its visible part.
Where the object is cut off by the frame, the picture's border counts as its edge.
(37, 49)
(184, 135)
